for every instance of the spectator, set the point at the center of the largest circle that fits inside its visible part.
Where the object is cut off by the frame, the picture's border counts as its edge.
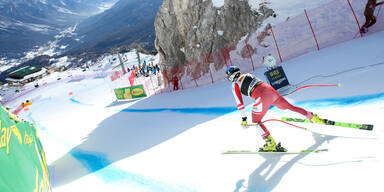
(157, 67)
(154, 70)
(175, 82)
(370, 19)
(269, 62)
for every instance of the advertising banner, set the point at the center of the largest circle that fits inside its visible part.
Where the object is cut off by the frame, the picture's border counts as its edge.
(276, 77)
(128, 93)
(23, 166)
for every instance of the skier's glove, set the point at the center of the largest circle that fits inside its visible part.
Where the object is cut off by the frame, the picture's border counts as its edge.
(244, 123)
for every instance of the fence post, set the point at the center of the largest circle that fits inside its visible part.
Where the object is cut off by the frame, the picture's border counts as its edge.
(153, 86)
(182, 88)
(250, 55)
(210, 72)
(277, 47)
(313, 32)
(189, 65)
(357, 21)
(144, 83)
(225, 60)
(168, 82)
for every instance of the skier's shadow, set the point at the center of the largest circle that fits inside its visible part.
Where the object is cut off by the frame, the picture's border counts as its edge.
(261, 179)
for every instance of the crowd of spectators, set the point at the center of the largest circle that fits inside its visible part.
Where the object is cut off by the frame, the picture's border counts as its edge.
(145, 69)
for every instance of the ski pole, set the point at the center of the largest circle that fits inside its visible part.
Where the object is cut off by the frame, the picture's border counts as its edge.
(307, 86)
(278, 120)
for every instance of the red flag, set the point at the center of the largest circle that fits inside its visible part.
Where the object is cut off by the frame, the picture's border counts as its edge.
(132, 77)
(115, 76)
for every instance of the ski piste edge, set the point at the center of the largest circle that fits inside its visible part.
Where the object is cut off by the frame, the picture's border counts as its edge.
(367, 127)
(272, 153)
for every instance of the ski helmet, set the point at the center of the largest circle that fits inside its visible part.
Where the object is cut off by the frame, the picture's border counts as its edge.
(233, 72)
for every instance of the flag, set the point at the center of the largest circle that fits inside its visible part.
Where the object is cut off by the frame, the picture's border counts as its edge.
(115, 76)
(132, 77)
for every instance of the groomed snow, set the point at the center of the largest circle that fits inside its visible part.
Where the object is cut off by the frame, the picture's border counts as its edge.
(173, 142)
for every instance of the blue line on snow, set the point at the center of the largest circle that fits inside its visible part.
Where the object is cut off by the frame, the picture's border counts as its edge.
(92, 161)
(225, 110)
(74, 80)
(345, 100)
(95, 161)
(205, 111)
(78, 102)
(113, 174)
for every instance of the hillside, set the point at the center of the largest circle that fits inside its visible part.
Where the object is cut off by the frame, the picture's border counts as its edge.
(173, 141)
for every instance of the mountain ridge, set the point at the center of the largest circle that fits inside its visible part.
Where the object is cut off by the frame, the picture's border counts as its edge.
(25, 24)
(127, 22)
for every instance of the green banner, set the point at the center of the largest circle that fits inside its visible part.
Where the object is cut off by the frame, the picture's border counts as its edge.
(23, 166)
(127, 93)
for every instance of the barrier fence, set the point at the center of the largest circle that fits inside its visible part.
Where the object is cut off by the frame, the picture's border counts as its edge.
(330, 24)
(7, 100)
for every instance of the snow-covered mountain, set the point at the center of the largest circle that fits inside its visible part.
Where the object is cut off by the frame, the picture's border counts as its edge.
(128, 21)
(25, 24)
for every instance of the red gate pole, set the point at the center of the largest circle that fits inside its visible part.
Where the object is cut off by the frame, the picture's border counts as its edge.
(250, 55)
(229, 57)
(277, 47)
(378, 12)
(357, 21)
(313, 32)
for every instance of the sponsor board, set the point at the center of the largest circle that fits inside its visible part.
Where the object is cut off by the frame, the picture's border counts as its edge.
(128, 93)
(276, 77)
(22, 158)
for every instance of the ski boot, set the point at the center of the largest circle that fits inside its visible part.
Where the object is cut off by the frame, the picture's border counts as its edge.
(317, 119)
(270, 145)
(364, 30)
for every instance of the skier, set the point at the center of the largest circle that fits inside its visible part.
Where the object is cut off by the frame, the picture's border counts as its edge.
(265, 96)
(370, 19)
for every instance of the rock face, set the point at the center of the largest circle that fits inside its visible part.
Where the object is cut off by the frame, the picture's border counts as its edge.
(187, 30)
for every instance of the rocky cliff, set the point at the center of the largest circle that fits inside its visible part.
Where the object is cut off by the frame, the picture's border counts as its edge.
(187, 30)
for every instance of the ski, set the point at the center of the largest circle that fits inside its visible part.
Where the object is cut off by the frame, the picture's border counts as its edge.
(367, 127)
(273, 153)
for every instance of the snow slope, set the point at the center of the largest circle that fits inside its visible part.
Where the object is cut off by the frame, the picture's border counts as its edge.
(173, 142)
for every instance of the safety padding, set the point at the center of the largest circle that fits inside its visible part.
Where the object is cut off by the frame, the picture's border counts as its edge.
(22, 159)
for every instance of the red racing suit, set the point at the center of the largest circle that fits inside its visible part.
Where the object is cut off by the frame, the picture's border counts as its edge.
(264, 96)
